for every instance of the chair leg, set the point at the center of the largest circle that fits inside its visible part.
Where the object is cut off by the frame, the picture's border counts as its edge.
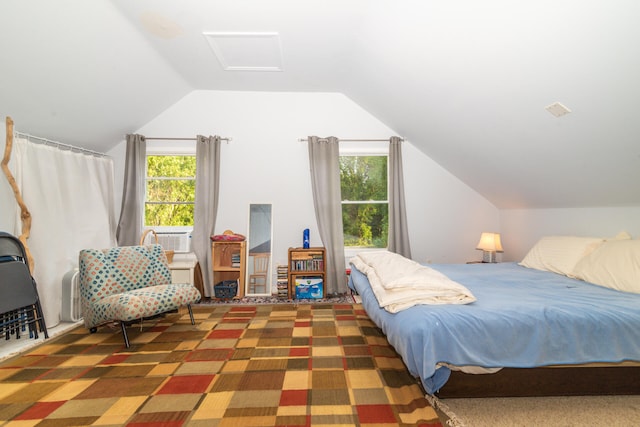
(16, 327)
(32, 322)
(124, 334)
(40, 314)
(193, 322)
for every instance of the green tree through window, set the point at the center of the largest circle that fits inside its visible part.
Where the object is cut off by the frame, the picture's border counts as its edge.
(170, 190)
(365, 206)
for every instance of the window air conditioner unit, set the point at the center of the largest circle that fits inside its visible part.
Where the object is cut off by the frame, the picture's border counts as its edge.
(177, 241)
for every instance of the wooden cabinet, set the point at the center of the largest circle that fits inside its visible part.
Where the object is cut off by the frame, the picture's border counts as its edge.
(308, 263)
(229, 263)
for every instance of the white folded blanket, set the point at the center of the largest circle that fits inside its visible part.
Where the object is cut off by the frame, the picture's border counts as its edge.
(399, 283)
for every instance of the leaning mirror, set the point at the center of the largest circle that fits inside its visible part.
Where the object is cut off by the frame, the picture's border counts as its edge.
(259, 256)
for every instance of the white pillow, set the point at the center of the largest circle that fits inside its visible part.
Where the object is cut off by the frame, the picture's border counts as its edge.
(623, 235)
(559, 254)
(615, 264)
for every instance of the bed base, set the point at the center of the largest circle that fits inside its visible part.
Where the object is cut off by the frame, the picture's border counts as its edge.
(550, 381)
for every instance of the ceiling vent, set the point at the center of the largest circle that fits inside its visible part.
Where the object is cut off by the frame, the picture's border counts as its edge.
(247, 51)
(557, 109)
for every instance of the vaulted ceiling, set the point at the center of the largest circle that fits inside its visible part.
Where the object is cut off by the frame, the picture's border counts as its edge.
(465, 81)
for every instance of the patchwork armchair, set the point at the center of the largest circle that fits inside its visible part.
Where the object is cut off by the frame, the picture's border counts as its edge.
(129, 283)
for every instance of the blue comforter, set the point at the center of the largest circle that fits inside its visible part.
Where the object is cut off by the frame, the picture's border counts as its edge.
(522, 318)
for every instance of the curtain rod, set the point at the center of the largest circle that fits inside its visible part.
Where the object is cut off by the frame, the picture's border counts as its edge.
(149, 138)
(60, 145)
(354, 140)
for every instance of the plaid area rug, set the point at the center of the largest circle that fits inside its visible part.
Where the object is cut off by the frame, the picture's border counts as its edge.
(240, 365)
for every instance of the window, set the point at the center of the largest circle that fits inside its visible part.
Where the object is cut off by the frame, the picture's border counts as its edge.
(170, 190)
(365, 205)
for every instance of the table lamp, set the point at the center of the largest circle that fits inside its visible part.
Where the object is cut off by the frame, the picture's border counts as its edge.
(489, 244)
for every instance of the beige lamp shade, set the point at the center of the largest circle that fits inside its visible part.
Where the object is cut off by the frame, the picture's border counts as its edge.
(490, 242)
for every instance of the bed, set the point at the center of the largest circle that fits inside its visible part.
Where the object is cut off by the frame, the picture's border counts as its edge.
(520, 319)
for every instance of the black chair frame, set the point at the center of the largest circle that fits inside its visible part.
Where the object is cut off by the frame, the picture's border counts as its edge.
(20, 308)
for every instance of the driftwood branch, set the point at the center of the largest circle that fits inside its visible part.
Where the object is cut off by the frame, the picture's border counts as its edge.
(25, 215)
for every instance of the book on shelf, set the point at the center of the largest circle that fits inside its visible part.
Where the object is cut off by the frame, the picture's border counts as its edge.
(312, 264)
(235, 259)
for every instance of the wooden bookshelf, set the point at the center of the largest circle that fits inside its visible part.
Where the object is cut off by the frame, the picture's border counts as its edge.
(228, 259)
(305, 262)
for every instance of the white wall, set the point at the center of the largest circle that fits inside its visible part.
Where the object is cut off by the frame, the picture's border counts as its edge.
(445, 216)
(522, 228)
(265, 162)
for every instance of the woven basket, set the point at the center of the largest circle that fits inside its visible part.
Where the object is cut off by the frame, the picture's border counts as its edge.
(226, 289)
(168, 254)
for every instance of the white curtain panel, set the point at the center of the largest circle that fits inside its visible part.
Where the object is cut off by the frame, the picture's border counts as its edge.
(70, 198)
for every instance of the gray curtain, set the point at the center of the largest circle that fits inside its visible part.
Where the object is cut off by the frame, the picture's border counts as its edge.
(398, 231)
(206, 205)
(325, 183)
(130, 224)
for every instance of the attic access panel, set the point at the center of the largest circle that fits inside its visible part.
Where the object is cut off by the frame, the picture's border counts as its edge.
(246, 51)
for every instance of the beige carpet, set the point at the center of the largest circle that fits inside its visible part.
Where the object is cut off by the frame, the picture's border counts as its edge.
(574, 411)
